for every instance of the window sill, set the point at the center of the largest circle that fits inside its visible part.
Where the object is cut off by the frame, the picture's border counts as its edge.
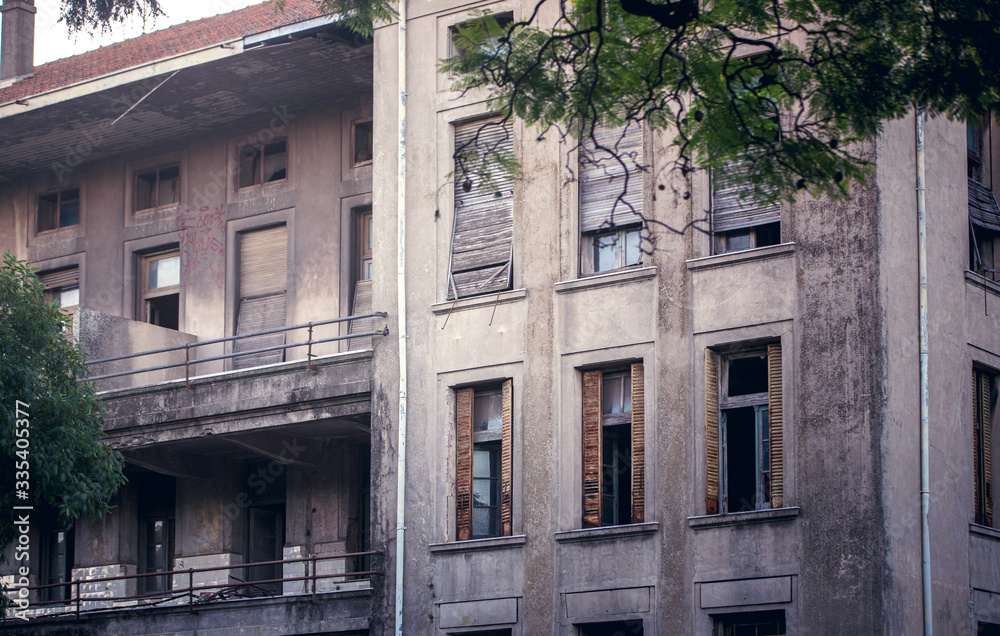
(607, 532)
(487, 300)
(617, 277)
(984, 531)
(477, 545)
(743, 518)
(730, 258)
(982, 282)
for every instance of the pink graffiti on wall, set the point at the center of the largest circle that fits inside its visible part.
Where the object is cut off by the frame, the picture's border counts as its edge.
(202, 235)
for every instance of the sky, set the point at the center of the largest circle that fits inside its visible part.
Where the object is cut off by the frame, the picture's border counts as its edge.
(53, 41)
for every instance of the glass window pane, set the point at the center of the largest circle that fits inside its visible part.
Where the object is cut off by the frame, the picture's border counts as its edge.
(488, 412)
(69, 297)
(69, 207)
(483, 522)
(482, 493)
(482, 460)
(167, 191)
(737, 241)
(748, 375)
(362, 142)
(604, 252)
(633, 247)
(165, 272)
(612, 394)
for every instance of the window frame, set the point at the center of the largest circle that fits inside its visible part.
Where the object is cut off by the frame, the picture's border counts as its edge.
(53, 291)
(768, 414)
(504, 20)
(260, 148)
(58, 209)
(984, 408)
(354, 142)
(146, 294)
(50, 594)
(724, 624)
(597, 428)
(498, 441)
(156, 188)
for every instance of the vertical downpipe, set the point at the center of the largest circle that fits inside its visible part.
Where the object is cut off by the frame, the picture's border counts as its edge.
(925, 490)
(401, 313)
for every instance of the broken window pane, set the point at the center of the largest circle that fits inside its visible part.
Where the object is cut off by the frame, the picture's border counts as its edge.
(747, 375)
(275, 161)
(488, 411)
(145, 188)
(249, 167)
(47, 206)
(362, 142)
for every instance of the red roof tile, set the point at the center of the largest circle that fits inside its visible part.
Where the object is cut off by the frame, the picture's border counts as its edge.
(181, 38)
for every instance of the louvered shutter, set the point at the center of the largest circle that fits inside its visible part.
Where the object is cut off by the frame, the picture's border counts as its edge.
(362, 305)
(60, 278)
(711, 432)
(638, 443)
(463, 463)
(592, 456)
(983, 209)
(483, 231)
(606, 199)
(984, 498)
(730, 211)
(775, 416)
(507, 462)
(263, 274)
(976, 441)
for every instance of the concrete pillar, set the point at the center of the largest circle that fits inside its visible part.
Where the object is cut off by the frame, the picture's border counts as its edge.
(17, 47)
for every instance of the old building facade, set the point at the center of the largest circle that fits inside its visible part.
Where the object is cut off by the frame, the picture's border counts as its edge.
(609, 428)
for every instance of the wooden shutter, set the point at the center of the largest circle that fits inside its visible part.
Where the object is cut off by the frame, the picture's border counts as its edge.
(603, 178)
(983, 454)
(263, 274)
(507, 462)
(730, 211)
(592, 455)
(983, 209)
(483, 231)
(463, 462)
(60, 278)
(976, 441)
(362, 305)
(638, 443)
(711, 432)
(775, 421)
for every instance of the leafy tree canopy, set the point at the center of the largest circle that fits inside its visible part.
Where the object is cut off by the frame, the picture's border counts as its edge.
(784, 86)
(68, 467)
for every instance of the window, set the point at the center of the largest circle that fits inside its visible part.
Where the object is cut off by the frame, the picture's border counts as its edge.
(265, 528)
(751, 624)
(161, 278)
(743, 430)
(483, 231)
(987, 629)
(984, 213)
(984, 389)
(611, 193)
(58, 209)
(361, 302)
(484, 463)
(741, 220)
(263, 163)
(156, 188)
(62, 286)
(57, 563)
(617, 628)
(263, 266)
(614, 444)
(465, 34)
(361, 143)
(156, 530)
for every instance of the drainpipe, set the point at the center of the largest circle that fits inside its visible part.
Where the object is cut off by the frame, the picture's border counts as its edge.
(925, 490)
(401, 313)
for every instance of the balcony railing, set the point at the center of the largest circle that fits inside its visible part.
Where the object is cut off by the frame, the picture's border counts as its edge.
(190, 363)
(81, 601)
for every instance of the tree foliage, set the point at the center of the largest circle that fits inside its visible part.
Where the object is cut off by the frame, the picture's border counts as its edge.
(68, 466)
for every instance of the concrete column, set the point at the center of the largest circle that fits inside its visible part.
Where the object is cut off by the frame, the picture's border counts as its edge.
(17, 48)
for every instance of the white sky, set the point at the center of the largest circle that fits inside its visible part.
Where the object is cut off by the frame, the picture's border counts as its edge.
(53, 41)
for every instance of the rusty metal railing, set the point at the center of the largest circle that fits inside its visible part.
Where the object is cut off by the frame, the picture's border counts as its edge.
(201, 594)
(189, 363)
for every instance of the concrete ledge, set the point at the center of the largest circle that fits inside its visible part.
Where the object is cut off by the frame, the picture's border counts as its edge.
(982, 282)
(743, 518)
(984, 531)
(598, 603)
(498, 611)
(731, 258)
(476, 545)
(604, 280)
(479, 301)
(609, 532)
